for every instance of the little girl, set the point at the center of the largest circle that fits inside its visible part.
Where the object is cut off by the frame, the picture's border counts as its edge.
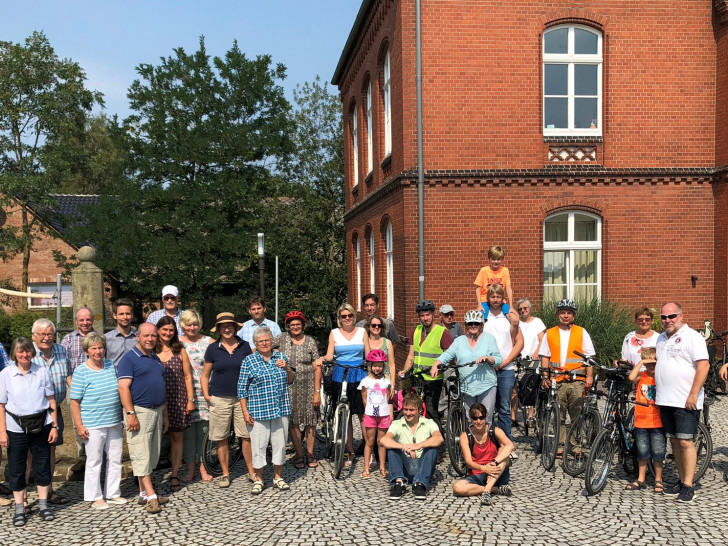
(376, 390)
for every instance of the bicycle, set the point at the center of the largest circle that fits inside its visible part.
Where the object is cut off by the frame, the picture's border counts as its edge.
(325, 432)
(209, 452)
(457, 421)
(417, 386)
(527, 381)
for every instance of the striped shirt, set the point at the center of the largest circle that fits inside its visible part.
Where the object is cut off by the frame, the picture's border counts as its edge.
(59, 368)
(154, 317)
(72, 343)
(98, 392)
(265, 387)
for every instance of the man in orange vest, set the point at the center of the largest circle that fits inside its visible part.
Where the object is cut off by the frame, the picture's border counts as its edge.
(557, 353)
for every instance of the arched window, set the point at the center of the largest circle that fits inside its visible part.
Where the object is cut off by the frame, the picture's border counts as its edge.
(355, 144)
(389, 253)
(370, 131)
(572, 256)
(357, 271)
(370, 241)
(386, 93)
(572, 81)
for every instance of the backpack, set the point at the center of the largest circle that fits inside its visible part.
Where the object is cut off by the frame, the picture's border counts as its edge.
(528, 388)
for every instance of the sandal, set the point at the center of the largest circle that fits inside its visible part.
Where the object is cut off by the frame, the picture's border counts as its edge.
(281, 484)
(174, 487)
(299, 462)
(635, 486)
(257, 488)
(311, 459)
(349, 460)
(27, 510)
(46, 514)
(366, 474)
(659, 487)
(384, 472)
(19, 520)
(55, 498)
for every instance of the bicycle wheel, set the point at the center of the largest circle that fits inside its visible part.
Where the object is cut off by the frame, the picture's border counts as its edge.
(524, 416)
(455, 427)
(704, 450)
(209, 453)
(341, 427)
(325, 430)
(551, 431)
(599, 461)
(580, 437)
(538, 426)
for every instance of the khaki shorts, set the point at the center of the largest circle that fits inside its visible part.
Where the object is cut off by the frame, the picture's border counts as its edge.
(222, 409)
(145, 443)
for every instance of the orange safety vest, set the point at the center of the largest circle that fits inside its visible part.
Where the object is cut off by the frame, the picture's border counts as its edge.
(576, 335)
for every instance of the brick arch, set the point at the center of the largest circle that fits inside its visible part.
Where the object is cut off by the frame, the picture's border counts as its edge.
(383, 225)
(593, 206)
(574, 16)
(384, 46)
(365, 81)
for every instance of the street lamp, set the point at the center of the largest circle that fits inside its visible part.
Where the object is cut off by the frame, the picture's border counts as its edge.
(261, 263)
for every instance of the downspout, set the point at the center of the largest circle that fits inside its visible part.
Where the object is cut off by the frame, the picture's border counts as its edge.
(420, 163)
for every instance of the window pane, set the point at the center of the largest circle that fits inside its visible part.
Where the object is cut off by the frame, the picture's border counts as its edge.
(585, 292)
(556, 41)
(585, 228)
(585, 266)
(551, 293)
(585, 79)
(554, 267)
(585, 42)
(555, 113)
(585, 113)
(557, 228)
(555, 78)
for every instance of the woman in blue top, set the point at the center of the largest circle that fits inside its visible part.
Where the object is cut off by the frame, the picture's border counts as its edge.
(96, 412)
(477, 383)
(346, 345)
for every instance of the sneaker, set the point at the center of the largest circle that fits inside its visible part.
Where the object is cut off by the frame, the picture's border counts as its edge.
(687, 494)
(163, 500)
(505, 490)
(514, 456)
(396, 491)
(486, 499)
(99, 505)
(419, 490)
(224, 482)
(116, 500)
(153, 506)
(675, 489)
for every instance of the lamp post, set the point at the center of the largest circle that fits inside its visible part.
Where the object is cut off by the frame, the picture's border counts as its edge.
(261, 263)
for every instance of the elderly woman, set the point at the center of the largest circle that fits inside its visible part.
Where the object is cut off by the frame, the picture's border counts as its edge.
(96, 412)
(302, 352)
(28, 422)
(478, 382)
(266, 405)
(533, 330)
(195, 344)
(224, 357)
(644, 336)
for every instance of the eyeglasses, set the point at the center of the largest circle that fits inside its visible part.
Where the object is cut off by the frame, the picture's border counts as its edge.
(671, 316)
(524, 308)
(226, 326)
(349, 315)
(478, 418)
(44, 336)
(264, 341)
(448, 314)
(646, 319)
(372, 325)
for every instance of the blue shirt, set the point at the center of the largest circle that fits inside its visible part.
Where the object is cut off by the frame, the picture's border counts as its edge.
(59, 368)
(265, 387)
(117, 345)
(154, 317)
(246, 332)
(4, 359)
(98, 393)
(147, 378)
(474, 380)
(24, 394)
(225, 367)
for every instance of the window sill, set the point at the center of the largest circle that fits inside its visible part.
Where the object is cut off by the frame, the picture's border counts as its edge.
(369, 178)
(355, 190)
(573, 139)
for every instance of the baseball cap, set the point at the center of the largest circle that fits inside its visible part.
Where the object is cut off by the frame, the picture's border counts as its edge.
(446, 309)
(170, 290)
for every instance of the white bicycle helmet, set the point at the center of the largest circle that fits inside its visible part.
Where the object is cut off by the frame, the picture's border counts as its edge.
(474, 316)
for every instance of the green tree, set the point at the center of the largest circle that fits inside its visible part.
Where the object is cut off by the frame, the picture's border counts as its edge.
(43, 100)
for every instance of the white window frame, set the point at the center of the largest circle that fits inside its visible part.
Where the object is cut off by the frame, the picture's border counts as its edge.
(357, 267)
(355, 144)
(49, 288)
(370, 131)
(571, 59)
(386, 89)
(570, 246)
(372, 289)
(389, 253)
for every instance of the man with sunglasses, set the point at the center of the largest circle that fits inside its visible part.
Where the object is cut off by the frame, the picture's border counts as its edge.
(447, 319)
(170, 307)
(682, 367)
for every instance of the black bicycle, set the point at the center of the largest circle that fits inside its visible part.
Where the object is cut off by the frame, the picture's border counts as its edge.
(413, 382)
(527, 381)
(457, 419)
(209, 452)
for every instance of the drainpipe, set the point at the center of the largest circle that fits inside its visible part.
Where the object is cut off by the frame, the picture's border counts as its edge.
(420, 164)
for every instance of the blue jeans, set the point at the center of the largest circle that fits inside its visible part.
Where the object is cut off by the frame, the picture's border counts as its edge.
(651, 443)
(409, 470)
(506, 381)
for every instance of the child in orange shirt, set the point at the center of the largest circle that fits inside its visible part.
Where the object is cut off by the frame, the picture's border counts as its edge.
(649, 435)
(495, 273)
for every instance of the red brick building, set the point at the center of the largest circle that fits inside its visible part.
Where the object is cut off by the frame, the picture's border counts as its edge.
(589, 139)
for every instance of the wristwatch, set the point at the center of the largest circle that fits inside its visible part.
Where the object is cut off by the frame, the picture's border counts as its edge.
(132, 412)
(191, 399)
(54, 426)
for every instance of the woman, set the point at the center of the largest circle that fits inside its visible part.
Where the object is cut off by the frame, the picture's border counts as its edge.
(96, 412)
(477, 383)
(266, 405)
(533, 330)
(28, 421)
(644, 336)
(487, 457)
(224, 357)
(180, 394)
(195, 344)
(302, 353)
(376, 338)
(346, 345)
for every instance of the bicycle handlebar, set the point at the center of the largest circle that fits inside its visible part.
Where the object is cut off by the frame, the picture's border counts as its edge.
(588, 361)
(454, 365)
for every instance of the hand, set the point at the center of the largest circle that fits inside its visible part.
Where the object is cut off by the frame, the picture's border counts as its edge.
(409, 451)
(248, 419)
(281, 363)
(190, 406)
(724, 372)
(4, 439)
(589, 382)
(402, 374)
(317, 400)
(165, 424)
(53, 436)
(493, 470)
(83, 432)
(546, 383)
(132, 423)
(207, 398)
(482, 359)
(433, 371)
(692, 402)
(513, 318)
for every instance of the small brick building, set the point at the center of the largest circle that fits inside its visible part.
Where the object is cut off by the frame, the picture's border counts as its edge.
(589, 139)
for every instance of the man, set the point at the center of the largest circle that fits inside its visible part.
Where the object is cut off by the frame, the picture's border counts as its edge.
(257, 313)
(682, 367)
(504, 328)
(447, 319)
(557, 354)
(411, 443)
(143, 397)
(170, 299)
(123, 338)
(370, 304)
(72, 341)
(55, 358)
(429, 341)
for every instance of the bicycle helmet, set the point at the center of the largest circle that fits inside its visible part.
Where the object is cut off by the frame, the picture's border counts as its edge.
(293, 315)
(425, 305)
(376, 355)
(566, 304)
(474, 315)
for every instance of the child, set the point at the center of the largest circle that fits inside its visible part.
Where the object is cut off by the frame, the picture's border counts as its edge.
(648, 432)
(495, 273)
(486, 452)
(376, 390)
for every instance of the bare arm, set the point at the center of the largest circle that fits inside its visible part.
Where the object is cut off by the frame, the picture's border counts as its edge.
(187, 370)
(76, 415)
(329, 350)
(478, 292)
(390, 361)
(3, 430)
(701, 373)
(410, 361)
(534, 356)
(205, 380)
(132, 423)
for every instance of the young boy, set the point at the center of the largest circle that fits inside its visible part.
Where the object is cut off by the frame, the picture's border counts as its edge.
(495, 273)
(648, 432)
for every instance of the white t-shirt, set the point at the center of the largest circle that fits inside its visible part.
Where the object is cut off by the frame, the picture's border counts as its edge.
(530, 331)
(676, 365)
(377, 404)
(633, 345)
(587, 346)
(500, 328)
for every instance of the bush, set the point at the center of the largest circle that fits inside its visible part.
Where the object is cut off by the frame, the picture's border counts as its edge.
(20, 323)
(607, 323)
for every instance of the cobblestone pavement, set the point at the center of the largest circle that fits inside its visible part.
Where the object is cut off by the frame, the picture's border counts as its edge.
(547, 508)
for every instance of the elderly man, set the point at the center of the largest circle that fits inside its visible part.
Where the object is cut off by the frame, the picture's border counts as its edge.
(170, 308)
(123, 338)
(682, 367)
(54, 358)
(143, 396)
(370, 304)
(447, 319)
(257, 314)
(72, 341)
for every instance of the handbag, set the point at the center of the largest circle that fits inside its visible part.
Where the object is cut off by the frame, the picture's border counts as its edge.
(31, 424)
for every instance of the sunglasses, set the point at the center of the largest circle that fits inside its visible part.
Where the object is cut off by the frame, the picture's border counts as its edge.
(375, 325)
(671, 316)
(523, 308)
(645, 319)
(448, 314)
(478, 418)
(349, 315)
(169, 298)
(472, 324)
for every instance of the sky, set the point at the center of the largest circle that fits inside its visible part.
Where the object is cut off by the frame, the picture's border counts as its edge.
(109, 38)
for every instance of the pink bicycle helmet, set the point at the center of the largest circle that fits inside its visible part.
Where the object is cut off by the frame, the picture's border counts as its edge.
(377, 355)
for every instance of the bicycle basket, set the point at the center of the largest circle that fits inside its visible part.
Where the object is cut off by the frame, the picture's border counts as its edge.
(528, 388)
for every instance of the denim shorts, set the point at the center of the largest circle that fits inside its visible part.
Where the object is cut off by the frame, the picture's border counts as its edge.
(679, 423)
(651, 443)
(480, 479)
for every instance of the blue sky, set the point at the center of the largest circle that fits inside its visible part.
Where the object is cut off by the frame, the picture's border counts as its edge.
(109, 38)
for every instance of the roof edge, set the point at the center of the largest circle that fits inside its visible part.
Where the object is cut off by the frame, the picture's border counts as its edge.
(349, 46)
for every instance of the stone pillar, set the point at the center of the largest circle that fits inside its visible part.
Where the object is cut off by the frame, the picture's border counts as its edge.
(88, 286)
